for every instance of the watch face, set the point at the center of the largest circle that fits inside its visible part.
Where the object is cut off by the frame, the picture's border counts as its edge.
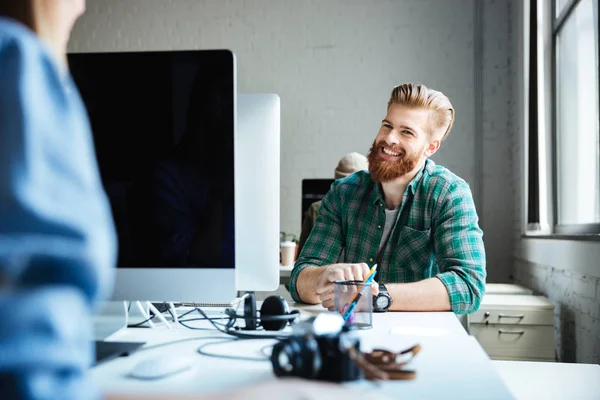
(382, 302)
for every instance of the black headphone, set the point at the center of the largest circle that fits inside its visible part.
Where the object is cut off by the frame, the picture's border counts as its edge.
(274, 313)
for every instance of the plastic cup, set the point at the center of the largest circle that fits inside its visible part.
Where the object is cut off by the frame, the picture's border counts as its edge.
(360, 314)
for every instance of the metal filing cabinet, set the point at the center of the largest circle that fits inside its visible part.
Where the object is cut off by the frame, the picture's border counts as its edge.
(506, 288)
(515, 327)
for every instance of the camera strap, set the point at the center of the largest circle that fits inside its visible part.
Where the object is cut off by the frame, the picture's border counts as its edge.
(385, 365)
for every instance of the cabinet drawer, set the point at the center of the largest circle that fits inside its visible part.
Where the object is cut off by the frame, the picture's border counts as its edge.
(506, 288)
(500, 358)
(512, 317)
(514, 309)
(517, 342)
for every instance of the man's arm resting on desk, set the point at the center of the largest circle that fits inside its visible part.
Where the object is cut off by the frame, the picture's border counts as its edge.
(312, 270)
(460, 253)
(426, 295)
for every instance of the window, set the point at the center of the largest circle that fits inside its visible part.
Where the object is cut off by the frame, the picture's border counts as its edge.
(576, 117)
(564, 123)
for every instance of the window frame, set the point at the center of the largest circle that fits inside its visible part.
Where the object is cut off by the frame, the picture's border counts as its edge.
(558, 23)
(536, 220)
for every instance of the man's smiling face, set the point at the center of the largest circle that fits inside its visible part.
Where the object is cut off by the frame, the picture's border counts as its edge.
(401, 143)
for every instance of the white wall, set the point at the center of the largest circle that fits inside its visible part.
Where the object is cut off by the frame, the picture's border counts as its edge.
(574, 293)
(497, 131)
(333, 63)
(565, 271)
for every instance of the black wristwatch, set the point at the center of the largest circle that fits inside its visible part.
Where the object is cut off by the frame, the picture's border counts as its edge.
(383, 301)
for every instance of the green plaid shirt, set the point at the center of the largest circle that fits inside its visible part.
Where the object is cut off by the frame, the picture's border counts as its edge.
(435, 234)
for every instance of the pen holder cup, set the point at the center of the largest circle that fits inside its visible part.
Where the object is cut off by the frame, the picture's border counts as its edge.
(345, 293)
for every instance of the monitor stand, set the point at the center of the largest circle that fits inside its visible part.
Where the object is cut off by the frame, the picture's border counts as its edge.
(117, 315)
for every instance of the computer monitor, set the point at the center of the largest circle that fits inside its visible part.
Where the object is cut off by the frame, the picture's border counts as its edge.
(313, 190)
(164, 126)
(257, 185)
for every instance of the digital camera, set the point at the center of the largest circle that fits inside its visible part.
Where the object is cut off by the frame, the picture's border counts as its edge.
(318, 349)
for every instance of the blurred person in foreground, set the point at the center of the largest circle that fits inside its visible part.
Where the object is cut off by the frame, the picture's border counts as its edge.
(57, 239)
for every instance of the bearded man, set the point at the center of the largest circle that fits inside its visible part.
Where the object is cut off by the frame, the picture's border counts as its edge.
(416, 220)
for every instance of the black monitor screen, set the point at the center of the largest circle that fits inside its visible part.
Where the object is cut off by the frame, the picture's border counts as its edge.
(163, 132)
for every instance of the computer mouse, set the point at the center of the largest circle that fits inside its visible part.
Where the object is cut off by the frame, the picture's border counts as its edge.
(160, 367)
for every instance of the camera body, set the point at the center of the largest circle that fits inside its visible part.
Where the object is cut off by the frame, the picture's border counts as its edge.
(317, 349)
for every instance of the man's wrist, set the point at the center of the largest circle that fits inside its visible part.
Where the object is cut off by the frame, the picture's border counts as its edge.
(392, 289)
(307, 281)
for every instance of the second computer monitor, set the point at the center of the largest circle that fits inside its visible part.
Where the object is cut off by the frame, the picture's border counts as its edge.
(257, 181)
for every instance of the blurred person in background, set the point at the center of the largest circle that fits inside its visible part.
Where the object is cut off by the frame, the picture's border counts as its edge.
(347, 165)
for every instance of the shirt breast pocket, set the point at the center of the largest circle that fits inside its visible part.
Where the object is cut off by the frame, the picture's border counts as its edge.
(414, 250)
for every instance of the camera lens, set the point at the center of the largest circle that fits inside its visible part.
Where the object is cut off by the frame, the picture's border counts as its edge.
(283, 360)
(284, 357)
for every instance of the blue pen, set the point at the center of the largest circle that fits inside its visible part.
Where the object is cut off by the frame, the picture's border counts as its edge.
(358, 296)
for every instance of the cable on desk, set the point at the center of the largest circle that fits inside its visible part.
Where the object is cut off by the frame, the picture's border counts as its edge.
(204, 318)
(230, 330)
(176, 342)
(201, 350)
(186, 313)
(141, 323)
(195, 328)
(181, 321)
(267, 347)
(152, 315)
(227, 329)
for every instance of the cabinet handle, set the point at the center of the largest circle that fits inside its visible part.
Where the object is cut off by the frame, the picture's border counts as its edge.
(501, 331)
(511, 316)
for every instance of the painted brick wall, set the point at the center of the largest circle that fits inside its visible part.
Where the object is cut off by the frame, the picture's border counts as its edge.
(333, 63)
(497, 174)
(576, 300)
(568, 284)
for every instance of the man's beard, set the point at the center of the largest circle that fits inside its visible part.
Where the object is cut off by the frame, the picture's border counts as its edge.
(383, 170)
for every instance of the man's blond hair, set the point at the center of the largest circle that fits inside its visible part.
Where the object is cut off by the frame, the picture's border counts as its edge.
(419, 96)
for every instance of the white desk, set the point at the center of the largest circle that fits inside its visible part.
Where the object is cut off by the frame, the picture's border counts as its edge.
(451, 364)
(284, 274)
(548, 380)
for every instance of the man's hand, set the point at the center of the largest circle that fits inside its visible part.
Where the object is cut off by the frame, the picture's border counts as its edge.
(339, 272)
(315, 284)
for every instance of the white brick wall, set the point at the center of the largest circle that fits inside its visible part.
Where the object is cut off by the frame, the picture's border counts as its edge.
(333, 63)
(497, 174)
(576, 300)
